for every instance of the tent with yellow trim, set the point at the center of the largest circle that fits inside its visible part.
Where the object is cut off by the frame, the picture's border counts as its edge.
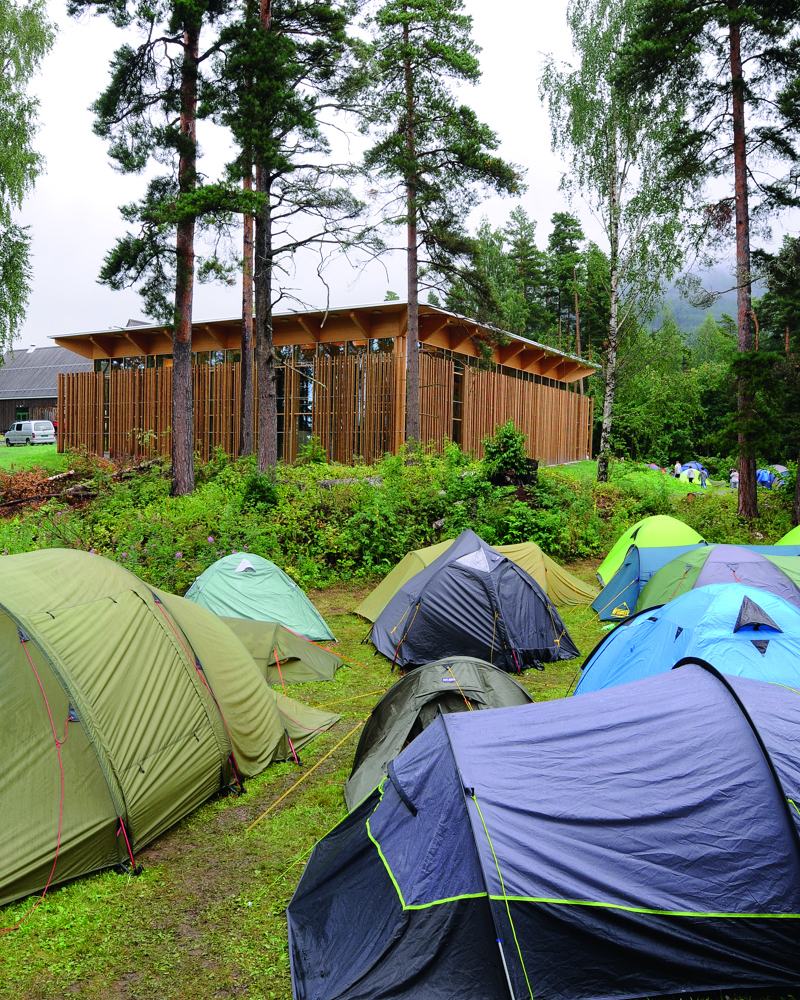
(634, 842)
(561, 586)
(657, 531)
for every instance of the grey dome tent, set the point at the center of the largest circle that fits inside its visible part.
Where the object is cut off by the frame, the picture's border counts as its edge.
(472, 601)
(243, 585)
(634, 842)
(455, 684)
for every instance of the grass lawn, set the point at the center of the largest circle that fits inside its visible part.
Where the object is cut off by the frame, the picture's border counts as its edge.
(206, 918)
(44, 456)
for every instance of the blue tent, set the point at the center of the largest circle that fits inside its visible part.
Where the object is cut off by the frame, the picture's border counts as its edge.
(738, 629)
(694, 465)
(635, 842)
(618, 598)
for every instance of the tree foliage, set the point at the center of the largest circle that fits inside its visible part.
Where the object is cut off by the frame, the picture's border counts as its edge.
(26, 36)
(431, 153)
(733, 66)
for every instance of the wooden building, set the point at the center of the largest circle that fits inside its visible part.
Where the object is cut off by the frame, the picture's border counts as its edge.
(341, 379)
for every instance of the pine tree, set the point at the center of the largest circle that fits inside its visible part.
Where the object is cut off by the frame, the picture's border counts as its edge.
(734, 65)
(26, 36)
(282, 68)
(529, 265)
(149, 113)
(432, 152)
(563, 260)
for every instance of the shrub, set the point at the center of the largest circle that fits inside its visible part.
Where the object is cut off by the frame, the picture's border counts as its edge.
(259, 491)
(506, 451)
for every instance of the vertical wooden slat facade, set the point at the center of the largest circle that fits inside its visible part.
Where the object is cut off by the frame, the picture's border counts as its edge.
(354, 405)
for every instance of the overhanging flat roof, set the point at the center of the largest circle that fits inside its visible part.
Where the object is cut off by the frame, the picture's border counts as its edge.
(382, 320)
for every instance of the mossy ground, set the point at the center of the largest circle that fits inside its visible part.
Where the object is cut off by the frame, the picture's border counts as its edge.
(206, 918)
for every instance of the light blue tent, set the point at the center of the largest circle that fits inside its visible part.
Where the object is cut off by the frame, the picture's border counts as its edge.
(740, 630)
(243, 585)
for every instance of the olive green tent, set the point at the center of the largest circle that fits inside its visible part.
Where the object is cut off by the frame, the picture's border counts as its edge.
(298, 660)
(124, 708)
(243, 585)
(657, 531)
(561, 586)
(454, 684)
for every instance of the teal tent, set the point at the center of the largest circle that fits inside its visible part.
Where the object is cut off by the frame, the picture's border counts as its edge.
(243, 585)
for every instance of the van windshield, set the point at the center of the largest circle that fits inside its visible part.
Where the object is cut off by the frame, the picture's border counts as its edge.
(42, 425)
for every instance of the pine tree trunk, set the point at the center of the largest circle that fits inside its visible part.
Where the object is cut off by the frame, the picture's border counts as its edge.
(748, 497)
(610, 362)
(412, 341)
(262, 280)
(265, 360)
(246, 370)
(182, 403)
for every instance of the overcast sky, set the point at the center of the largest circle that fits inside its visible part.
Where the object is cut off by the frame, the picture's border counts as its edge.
(73, 212)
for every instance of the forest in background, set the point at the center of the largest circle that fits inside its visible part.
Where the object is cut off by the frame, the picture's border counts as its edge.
(677, 390)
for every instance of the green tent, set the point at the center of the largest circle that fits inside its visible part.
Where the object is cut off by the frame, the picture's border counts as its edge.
(300, 660)
(791, 537)
(562, 587)
(455, 684)
(124, 708)
(243, 585)
(657, 531)
(723, 564)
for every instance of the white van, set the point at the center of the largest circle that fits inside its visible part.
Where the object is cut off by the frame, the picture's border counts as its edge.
(31, 432)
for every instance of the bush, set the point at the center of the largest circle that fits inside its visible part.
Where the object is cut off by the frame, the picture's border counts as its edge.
(259, 492)
(364, 527)
(506, 452)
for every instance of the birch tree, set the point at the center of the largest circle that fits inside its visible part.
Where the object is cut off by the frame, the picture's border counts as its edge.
(614, 151)
(26, 36)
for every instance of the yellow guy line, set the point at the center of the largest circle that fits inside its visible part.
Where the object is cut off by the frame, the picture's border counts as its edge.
(466, 699)
(342, 701)
(304, 777)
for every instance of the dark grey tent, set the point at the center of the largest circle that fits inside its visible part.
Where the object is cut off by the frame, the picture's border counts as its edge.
(455, 684)
(472, 601)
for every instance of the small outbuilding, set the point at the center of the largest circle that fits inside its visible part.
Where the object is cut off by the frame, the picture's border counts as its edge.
(244, 585)
(472, 601)
(634, 842)
(456, 684)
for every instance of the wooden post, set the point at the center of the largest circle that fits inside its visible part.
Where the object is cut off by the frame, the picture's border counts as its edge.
(399, 391)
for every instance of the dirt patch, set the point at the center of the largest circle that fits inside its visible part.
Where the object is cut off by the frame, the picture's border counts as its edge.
(341, 598)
